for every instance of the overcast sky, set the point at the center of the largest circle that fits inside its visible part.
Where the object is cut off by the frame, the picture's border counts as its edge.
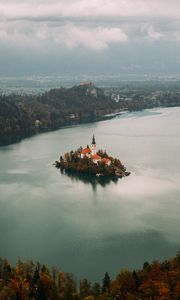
(89, 36)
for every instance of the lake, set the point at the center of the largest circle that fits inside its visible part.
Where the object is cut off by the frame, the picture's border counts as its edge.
(85, 227)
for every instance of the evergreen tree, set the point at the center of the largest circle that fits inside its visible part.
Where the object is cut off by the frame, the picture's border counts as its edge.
(84, 288)
(33, 282)
(41, 291)
(96, 290)
(106, 282)
(6, 270)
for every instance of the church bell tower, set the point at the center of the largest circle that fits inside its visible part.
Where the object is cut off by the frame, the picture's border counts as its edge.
(93, 146)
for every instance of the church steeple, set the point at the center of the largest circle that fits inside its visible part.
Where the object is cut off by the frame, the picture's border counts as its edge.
(93, 146)
(93, 140)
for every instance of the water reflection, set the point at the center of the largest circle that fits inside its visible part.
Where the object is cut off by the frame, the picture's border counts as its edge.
(92, 180)
(14, 138)
(9, 139)
(88, 225)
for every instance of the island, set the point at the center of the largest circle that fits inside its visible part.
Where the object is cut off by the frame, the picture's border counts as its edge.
(91, 161)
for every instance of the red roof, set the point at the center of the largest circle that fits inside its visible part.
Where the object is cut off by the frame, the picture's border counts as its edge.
(106, 160)
(95, 156)
(86, 151)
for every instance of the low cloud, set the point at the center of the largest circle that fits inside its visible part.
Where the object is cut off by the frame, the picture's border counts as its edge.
(129, 29)
(68, 35)
(95, 38)
(94, 24)
(152, 34)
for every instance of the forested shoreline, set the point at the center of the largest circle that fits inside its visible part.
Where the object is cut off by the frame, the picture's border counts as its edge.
(25, 115)
(33, 281)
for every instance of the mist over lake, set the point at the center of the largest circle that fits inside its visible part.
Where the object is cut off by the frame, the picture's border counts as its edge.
(83, 226)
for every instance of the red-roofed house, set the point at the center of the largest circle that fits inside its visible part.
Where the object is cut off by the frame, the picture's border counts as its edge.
(85, 152)
(96, 158)
(107, 161)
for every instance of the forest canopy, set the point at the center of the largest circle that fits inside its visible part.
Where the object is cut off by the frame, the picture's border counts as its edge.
(33, 281)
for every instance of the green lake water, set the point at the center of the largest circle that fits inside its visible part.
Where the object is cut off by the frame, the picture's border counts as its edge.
(85, 227)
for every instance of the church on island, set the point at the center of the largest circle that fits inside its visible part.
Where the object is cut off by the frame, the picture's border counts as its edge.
(91, 161)
(91, 152)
